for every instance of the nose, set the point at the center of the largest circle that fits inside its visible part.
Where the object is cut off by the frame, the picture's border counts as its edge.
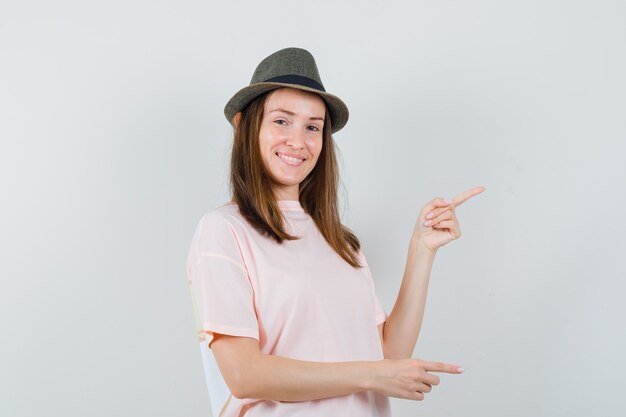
(295, 139)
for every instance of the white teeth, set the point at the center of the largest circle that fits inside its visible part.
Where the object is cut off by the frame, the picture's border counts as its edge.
(289, 158)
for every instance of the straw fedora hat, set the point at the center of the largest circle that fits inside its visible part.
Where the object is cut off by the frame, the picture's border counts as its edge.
(289, 67)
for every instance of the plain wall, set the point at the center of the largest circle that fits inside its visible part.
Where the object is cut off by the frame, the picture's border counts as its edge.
(113, 144)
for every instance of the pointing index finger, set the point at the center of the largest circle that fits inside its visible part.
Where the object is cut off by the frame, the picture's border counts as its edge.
(466, 195)
(442, 367)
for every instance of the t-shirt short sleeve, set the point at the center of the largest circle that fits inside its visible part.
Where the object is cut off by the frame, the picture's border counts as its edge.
(221, 290)
(379, 311)
(381, 315)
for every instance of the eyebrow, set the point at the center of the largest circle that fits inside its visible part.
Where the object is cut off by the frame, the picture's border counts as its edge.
(293, 114)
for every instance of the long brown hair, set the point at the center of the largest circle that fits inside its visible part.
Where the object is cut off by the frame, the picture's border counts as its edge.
(251, 187)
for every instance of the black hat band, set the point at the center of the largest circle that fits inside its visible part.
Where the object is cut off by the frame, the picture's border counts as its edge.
(298, 80)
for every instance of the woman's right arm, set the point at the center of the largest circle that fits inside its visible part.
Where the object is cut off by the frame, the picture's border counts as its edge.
(252, 374)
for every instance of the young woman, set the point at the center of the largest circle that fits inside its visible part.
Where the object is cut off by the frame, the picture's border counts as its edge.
(284, 295)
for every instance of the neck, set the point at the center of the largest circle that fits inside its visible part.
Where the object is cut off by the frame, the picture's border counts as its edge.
(290, 193)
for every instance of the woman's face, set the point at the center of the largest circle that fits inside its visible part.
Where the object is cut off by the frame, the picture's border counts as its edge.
(290, 138)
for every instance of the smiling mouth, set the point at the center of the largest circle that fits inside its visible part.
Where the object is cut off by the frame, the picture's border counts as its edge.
(289, 159)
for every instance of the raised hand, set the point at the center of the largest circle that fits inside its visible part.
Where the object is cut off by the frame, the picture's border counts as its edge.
(437, 223)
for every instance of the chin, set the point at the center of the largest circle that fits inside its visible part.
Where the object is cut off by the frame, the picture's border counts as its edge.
(288, 183)
(288, 180)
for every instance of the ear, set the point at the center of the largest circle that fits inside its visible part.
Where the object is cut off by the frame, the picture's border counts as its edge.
(236, 119)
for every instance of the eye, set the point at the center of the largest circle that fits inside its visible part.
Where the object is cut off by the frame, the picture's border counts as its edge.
(314, 128)
(280, 122)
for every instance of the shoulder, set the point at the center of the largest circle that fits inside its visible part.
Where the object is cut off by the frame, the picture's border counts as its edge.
(224, 217)
(361, 257)
(223, 222)
(218, 232)
(221, 217)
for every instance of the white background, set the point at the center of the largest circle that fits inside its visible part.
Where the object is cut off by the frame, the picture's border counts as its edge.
(113, 144)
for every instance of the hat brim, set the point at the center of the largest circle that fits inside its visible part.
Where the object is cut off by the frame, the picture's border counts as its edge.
(336, 107)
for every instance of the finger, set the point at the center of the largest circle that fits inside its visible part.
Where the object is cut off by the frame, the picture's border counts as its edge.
(424, 387)
(451, 226)
(435, 203)
(417, 396)
(446, 215)
(442, 367)
(430, 379)
(465, 195)
(446, 224)
(436, 212)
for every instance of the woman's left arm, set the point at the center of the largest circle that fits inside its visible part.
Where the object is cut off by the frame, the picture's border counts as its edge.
(436, 226)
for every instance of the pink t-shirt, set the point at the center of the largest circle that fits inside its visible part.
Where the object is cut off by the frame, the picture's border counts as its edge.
(299, 299)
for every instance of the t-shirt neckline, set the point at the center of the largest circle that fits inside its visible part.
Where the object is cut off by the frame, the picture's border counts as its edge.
(290, 205)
